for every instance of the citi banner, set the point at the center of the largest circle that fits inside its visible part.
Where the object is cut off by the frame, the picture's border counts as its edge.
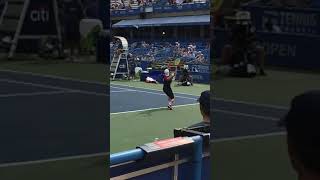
(40, 18)
(122, 68)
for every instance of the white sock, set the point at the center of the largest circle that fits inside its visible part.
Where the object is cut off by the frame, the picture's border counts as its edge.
(171, 102)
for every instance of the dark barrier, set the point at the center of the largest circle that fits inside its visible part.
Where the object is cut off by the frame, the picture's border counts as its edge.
(102, 48)
(219, 41)
(2, 8)
(282, 49)
(290, 20)
(104, 13)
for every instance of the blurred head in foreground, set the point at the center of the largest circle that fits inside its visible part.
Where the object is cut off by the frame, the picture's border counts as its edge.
(204, 101)
(303, 134)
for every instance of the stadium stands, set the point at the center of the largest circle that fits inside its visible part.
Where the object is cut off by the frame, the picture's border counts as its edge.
(124, 4)
(196, 52)
(135, 4)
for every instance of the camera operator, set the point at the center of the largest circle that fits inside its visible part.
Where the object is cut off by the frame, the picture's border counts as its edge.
(243, 55)
(185, 78)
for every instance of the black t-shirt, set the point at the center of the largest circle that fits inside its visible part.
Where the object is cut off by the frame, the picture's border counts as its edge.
(167, 80)
(185, 73)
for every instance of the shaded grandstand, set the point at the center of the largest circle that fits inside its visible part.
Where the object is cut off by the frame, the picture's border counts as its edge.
(136, 4)
(160, 51)
(163, 32)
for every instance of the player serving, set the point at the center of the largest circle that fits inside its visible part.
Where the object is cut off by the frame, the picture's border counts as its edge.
(167, 80)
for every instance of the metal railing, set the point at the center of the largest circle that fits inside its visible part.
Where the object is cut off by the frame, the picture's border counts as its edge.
(138, 154)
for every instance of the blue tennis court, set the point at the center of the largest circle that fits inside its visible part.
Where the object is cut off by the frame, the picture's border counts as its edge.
(124, 99)
(46, 117)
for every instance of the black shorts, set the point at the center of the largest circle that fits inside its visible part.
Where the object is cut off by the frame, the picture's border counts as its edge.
(168, 92)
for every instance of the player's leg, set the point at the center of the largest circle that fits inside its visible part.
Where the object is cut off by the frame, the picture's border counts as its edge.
(167, 92)
(171, 101)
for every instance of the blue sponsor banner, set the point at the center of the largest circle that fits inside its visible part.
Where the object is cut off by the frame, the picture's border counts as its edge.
(181, 8)
(282, 49)
(126, 12)
(200, 73)
(290, 20)
(291, 50)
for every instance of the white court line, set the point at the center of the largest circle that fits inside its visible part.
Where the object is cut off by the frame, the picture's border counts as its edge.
(119, 88)
(246, 115)
(53, 77)
(53, 87)
(162, 94)
(216, 110)
(100, 83)
(122, 91)
(150, 109)
(253, 104)
(4, 165)
(248, 137)
(32, 94)
(219, 99)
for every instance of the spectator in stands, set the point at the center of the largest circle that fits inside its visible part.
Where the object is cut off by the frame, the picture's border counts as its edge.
(116, 4)
(199, 58)
(204, 102)
(162, 51)
(303, 135)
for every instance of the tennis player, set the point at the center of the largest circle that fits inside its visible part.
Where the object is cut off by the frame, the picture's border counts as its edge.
(167, 80)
